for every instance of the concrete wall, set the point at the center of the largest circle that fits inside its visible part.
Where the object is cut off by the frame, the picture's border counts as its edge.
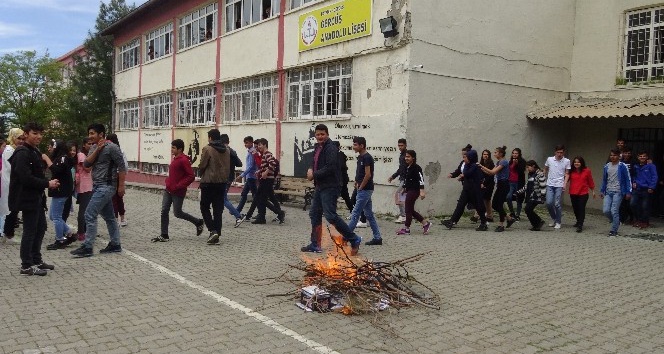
(249, 51)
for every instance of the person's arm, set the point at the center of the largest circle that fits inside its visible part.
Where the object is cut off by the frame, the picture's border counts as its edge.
(492, 171)
(652, 183)
(188, 177)
(591, 182)
(205, 160)
(92, 157)
(119, 161)
(566, 179)
(367, 177)
(421, 179)
(21, 168)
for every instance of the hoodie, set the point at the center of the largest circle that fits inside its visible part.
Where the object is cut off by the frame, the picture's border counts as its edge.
(215, 163)
(472, 174)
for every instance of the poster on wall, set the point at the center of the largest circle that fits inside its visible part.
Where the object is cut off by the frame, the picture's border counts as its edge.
(339, 22)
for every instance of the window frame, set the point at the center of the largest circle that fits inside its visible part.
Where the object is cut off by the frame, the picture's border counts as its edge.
(653, 30)
(246, 9)
(314, 82)
(129, 54)
(262, 99)
(196, 16)
(164, 37)
(157, 108)
(294, 4)
(129, 115)
(189, 102)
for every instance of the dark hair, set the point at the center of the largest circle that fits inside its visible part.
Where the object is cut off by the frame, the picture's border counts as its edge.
(615, 151)
(178, 144)
(360, 140)
(402, 141)
(261, 141)
(621, 139)
(86, 140)
(214, 134)
(72, 143)
(59, 149)
(249, 138)
(468, 147)
(412, 154)
(502, 150)
(113, 138)
(225, 139)
(489, 162)
(517, 150)
(559, 147)
(627, 149)
(532, 163)
(98, 128)
(322, 127)
(34, 126)
(581, 160)
(643, 152)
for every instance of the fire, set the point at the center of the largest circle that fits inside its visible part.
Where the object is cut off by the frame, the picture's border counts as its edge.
(331, 267)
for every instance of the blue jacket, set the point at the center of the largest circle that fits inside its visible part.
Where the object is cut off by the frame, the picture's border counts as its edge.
(250, 171)
(646, 176)
(623, 177)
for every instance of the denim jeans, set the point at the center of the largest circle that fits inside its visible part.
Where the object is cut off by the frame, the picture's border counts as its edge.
(101, 203)
(554, 203)
(514, 186)
(228, 204)
(640, 204)
(55, 215)
(176, 201)
(212, 194)
(363, 204)
(324, 203)
(249, 186)
(611, 208)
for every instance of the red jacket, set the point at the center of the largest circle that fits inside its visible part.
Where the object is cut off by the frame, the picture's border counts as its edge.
(579, 183)
(180, 176)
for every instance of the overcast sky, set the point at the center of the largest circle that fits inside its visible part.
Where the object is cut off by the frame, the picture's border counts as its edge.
(54, 25)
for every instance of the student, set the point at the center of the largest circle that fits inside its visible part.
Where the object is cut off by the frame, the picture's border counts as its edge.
(108, 179)
(626, 157)
(364, 186)
(501, 171)
(60, 164)
(234, 163)
(643, 188)
(325, 173)
(271, 201)
(517, 179)
(180, 176)
(580, 181)
(26, 194)
(249, 174)
(266, 174)
(534, 191)
(83, 187)
(458, 174)
(15, 138)
(400, 174)
(488, 184)
(118, 201)
(473, 177)
(413, 187)
(556, 169)
(344, 176)
(616, 183)
(214, 170)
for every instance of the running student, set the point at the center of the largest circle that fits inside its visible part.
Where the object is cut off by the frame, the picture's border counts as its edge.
(471, 192)
(501, 171)
(249, 174)
(535, 192)
(413, 187)
(364, 186)
(517, 179)
(401, 175)
(616, 184)
(580, 181)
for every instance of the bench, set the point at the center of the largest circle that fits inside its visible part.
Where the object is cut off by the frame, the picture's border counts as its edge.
(294, 186)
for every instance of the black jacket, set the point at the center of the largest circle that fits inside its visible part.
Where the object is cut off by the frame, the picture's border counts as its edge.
(344, 166)
(61, 170)
(401, 172)
(27, 181)
(235, 162)
(328, 173)
(414, 179)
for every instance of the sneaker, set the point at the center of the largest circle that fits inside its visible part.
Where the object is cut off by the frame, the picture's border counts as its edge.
(499, 229)
(576, 224)
(552, 224)
(556, 226)
(355, 246)
(579, 228)
(213, 239)
(161, 238)
(240, 220)
(46, 266)
(82, 252)
(449, 224)
(33, 271)
(281, 217)
(123, 223)
(612, 233)
(538, 227)
(400, 220)
(482, 227)
(199, 227)
(474, 218)
(510, 222)
(426, 228)
(71, 238)
(259, 221)
(517, 218)
(403, 231)
(374, 242)
(111, 248)
(348, 217)
(361, 225)
(57, 245)
(311, 248)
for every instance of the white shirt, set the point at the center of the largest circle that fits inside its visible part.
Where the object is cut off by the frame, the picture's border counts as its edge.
(557, 168)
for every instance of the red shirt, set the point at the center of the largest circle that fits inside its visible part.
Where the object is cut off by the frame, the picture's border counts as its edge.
(180, 175)
(580, 182)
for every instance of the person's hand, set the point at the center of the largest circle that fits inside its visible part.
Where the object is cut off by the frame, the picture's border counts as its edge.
(264, 175)
(651, 191)
(594, 195)
(633, 185)
(389, 180)
(121, 190)
(101, 143)
(449, 175)
(422, 194)
(601, 196)
(310, 174)
(53, 184)
(628, 196)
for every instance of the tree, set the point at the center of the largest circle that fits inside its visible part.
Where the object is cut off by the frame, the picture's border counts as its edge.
(30, 88)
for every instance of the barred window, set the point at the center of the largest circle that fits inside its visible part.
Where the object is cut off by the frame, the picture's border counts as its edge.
(298, 3)
(196, 107)
(159, 42)
(240, 13)
(157, 111)
(321, 91)
(644, 46)
(251, 99)
(154, 168)
(198, 26)
(128, 57)
(129, 115)
(132, 165)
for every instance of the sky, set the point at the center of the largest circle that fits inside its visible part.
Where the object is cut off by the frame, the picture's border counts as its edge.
(56, 26)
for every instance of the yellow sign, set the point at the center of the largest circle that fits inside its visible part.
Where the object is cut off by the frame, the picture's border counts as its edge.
(339, 22)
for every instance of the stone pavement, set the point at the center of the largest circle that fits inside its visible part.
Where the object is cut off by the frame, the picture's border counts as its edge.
(515, 292)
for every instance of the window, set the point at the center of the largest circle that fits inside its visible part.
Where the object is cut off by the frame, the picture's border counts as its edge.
(320, 91)
(241, 13)
(128, 57)
(198, 26)
(196, 107)
(155, 168)
(251, 99)
(132, 165)
(644, 46)
(298, 3)
(157, 111)
(159, 42)
(129, 115)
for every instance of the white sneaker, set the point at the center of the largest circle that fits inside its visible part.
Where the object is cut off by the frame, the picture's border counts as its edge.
(361, 224)
(348, 217)
(123, 223)
(552, 224)
(400, 220)
(556, 226)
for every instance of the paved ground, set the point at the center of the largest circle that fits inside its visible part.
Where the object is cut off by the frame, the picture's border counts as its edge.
(515, 292)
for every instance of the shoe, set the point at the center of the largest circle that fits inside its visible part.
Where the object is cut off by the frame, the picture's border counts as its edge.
(33, 271)
(644, 225)
(361, 225)
(552, 224)
(281, 217)
(400, 220)
(123, 223)
(499, 229)
(82, 252)
(57, 245)
(111, 248)
(199, 227)
(213, 239)
(612, 233)
(579, 228)
(161, 238)
(557, 226)
(46, 266)
(259, 221)
(510, 222)
(71, 238)
(489, 219)
(355, 246)
(449, 224)
(474, 218)
(240, 220)
(81, 237)
(403, 231)
(348, 217)
(482, 227)
(516, 218)
(426, 228)
(538, 227)
(576, 224)
(311, 248)
(374, 242)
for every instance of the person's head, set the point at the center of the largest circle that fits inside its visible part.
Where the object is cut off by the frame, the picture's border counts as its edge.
(486, 155)
(471, 156)
(225, 139)
(248, 142)
(626, 154)
(72, 148)
(113, 138)
(465, 149)
(620, 143)
(359, 144)
(261, 145)
(559, 152)
(531, 166)
(402, 145)
(177, 147)
(579, 163)
(96, 132)
(15, 137)
(57, 149)
(499, 153)
(321, 132)
(614, 156)
(85, 148)
(410, 157)
(516, 153)
(34, 132)
(214, 134)
(643, 157)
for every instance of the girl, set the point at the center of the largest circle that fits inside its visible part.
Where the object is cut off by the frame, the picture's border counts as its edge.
(487, 187)
(501, 172)
(472, 192)
(517, 180)
(413, 187)
(580, 181)
(83, 187)
(60, 163)
(535, 192)
(14, 139)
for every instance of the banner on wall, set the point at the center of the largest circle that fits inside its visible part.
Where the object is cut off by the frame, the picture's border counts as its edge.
(339, 22)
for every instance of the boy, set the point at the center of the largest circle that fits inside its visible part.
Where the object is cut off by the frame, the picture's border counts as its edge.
(643, 187)
(365, 187)
(615, 184)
